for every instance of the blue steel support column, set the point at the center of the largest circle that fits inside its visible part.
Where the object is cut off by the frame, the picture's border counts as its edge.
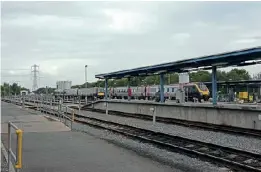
(214, 85)
(161, 88)
(106, 88)
(128, 88)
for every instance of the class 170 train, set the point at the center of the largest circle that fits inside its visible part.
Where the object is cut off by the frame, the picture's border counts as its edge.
(192, 90)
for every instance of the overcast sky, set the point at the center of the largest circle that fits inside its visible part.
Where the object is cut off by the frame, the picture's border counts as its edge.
(61, 37)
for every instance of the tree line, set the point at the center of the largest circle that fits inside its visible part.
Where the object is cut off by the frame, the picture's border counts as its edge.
(172, 78)
(11, 89)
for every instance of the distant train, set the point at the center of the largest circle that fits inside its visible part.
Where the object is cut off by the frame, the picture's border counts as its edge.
(192, 90)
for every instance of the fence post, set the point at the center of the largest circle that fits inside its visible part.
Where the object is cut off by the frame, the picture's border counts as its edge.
(153, 110)
(79, 109)
(107, 104)
(72, 119)
(41, 104)
(51, 104)
(9, 147)
(23, 98)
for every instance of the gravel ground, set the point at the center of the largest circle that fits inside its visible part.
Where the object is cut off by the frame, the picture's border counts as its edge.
(4, 167)
(219, 138)
(180, 162)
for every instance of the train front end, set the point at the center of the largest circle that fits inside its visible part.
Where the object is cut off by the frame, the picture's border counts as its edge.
(203, 91)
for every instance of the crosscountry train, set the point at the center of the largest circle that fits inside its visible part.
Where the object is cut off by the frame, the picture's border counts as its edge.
(192, 90)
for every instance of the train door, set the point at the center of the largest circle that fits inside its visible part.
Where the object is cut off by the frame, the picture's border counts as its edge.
(147, 92)
(129, 92)
(167, 92)
(192, 92)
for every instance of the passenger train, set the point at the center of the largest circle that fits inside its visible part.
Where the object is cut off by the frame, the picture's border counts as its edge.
(192, 90)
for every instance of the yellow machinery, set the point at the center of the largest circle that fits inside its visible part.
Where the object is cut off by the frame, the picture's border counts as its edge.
(243, 95)
(246, 97)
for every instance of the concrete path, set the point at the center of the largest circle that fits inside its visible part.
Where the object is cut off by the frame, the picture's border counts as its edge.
(49, 146)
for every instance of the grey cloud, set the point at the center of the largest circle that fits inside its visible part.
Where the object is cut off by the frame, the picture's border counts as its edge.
(62, 37)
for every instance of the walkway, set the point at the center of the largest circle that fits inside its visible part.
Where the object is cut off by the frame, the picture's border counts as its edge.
(49, 146)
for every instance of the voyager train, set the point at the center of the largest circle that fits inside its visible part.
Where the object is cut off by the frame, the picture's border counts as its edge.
(192, 90)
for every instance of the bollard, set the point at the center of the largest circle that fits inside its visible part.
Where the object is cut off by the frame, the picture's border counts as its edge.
(19, 148)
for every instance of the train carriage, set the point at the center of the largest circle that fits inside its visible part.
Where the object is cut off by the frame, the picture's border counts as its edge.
(192, 90)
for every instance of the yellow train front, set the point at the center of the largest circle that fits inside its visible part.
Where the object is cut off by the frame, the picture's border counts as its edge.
(197, 90)
(100, 93)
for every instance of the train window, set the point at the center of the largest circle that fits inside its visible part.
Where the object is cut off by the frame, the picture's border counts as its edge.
(167, 89)
(193, 89)
(202, 86)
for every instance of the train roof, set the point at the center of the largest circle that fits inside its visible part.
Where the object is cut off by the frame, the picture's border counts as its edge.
(242, 57)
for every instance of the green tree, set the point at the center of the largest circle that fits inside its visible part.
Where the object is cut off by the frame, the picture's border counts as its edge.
(11, 89)
(172, 78)
(200, 76)
(222, 76)
(238, 74)
(44, 90)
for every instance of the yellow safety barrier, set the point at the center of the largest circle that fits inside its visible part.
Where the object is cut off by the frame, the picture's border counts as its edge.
(19, 148)
(18, 156)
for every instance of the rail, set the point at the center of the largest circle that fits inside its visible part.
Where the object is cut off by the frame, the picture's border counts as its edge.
(11, 155)
(233, 158)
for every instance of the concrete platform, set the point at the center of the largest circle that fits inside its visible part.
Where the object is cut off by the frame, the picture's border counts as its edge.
(244, 116)
(51, 146)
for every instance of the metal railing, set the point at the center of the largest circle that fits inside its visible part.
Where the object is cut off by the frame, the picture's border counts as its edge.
(62, 111)
(11, 155)
(63, 117)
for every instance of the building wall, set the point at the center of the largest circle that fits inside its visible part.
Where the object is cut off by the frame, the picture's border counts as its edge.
(62, 85)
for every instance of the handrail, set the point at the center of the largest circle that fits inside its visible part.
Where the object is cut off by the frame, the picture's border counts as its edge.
(65, 116)
(18, 156)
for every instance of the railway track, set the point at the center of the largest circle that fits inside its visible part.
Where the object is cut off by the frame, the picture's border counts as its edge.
(191, 124)
(235, 159)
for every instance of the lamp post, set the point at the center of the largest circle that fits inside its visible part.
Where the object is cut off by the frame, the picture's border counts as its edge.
(86, 76)
(86, 97)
